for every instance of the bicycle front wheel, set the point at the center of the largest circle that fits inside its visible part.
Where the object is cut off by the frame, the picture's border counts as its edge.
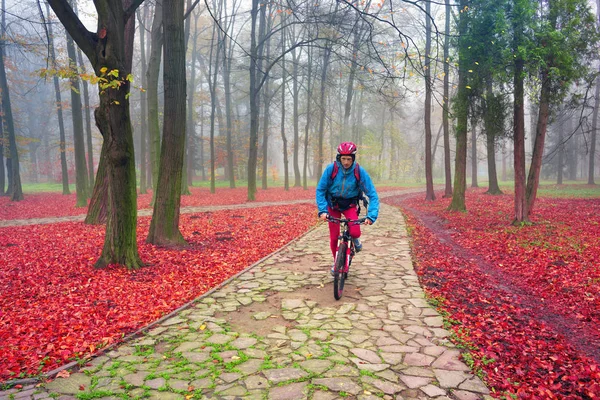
(339, 275)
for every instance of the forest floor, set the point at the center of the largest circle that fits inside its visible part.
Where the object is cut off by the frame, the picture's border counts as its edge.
(521, 300)
(524, 300)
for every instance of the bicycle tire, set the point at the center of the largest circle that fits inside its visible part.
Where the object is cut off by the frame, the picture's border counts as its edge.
(339, 275)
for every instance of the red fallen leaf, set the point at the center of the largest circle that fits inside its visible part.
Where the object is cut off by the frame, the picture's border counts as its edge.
(191, 388)
(63, 374)
(81, 387)
(18, 386)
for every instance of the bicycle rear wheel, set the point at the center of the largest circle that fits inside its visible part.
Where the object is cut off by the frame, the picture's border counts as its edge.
(339, 275)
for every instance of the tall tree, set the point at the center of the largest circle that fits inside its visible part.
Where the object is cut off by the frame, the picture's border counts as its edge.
(2, 170)
(156, 44)
(59, 111)
(213, 63)
(226, 71)
(446, 105)
(520, 14)
(164, 227)
(267, 96)
(461, 111)
(308, 117)
(88, 125)
(474, 153)
(565, 42)
(191, 112)
(142, 18)
(81, 173)
(286, 180)
(296, 116)
(322, 111)
(494, 124)
(15, 190)
(594, 133)
(109, 51)
(255, 38)
(430, 194)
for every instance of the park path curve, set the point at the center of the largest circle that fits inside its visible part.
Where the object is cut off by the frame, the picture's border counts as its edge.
(275, 332)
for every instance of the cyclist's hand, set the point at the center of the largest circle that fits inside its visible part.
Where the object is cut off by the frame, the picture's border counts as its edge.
(324, 216)
(368, 222)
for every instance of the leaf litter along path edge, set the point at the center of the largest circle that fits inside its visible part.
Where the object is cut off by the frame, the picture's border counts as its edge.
(95, 244)
(587, 342)
(550, 357)
(56, 307)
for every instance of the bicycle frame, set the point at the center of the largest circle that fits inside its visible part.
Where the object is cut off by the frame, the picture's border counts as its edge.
(345, 237)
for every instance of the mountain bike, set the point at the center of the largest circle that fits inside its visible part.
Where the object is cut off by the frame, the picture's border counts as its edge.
(344, 255)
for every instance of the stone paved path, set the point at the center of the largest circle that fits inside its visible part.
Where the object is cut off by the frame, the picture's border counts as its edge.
(275, 332)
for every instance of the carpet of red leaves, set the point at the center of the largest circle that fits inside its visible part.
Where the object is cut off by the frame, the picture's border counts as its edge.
(526, 297)
(55, 307)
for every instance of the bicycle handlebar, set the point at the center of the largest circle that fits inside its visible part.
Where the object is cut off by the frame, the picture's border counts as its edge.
(341, 220)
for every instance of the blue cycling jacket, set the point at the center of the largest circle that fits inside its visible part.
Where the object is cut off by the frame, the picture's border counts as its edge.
(345, 185)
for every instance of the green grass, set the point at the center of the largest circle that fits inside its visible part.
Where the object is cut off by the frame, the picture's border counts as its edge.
(45, 187)
(549, 188)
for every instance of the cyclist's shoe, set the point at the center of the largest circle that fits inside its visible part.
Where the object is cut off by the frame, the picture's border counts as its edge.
(332, 270)
(357, 244)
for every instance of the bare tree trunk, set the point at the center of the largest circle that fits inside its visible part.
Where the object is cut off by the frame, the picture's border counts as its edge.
(97, 210)
(572, 159)
(521, 213)
(227, 59)
(561, 152)
(296, 93)
(359, 119)
(308, 118)
(352, 74)
(594, 133)
(156, 43)
(191, 121)
(267, 96)
(15, 190)
(445, 122)
(142, 18)
(2, 170)
(164, 227)
(474, 153)
(59, 111)
(430, 194)
(81, 173)
(255, 68)
(286, 179)
(213, 62)
(202, 161)
(88, 128)
(504, 177)
(533, 179)
(323, 111)
(460, 172)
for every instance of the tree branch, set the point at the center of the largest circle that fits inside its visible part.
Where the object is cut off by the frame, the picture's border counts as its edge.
(85, 39)
(131, 9)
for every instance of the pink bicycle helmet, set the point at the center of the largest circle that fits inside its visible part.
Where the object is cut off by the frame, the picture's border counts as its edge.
(346, 149)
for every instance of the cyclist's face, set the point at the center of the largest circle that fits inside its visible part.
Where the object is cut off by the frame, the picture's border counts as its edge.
(346, 161)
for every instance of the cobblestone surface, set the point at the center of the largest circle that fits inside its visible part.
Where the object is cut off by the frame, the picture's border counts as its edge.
(275, 332)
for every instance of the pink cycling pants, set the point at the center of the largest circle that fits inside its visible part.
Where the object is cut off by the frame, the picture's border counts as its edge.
(334, 229)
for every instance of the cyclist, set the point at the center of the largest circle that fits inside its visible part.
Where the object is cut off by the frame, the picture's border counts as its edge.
(339, 191)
